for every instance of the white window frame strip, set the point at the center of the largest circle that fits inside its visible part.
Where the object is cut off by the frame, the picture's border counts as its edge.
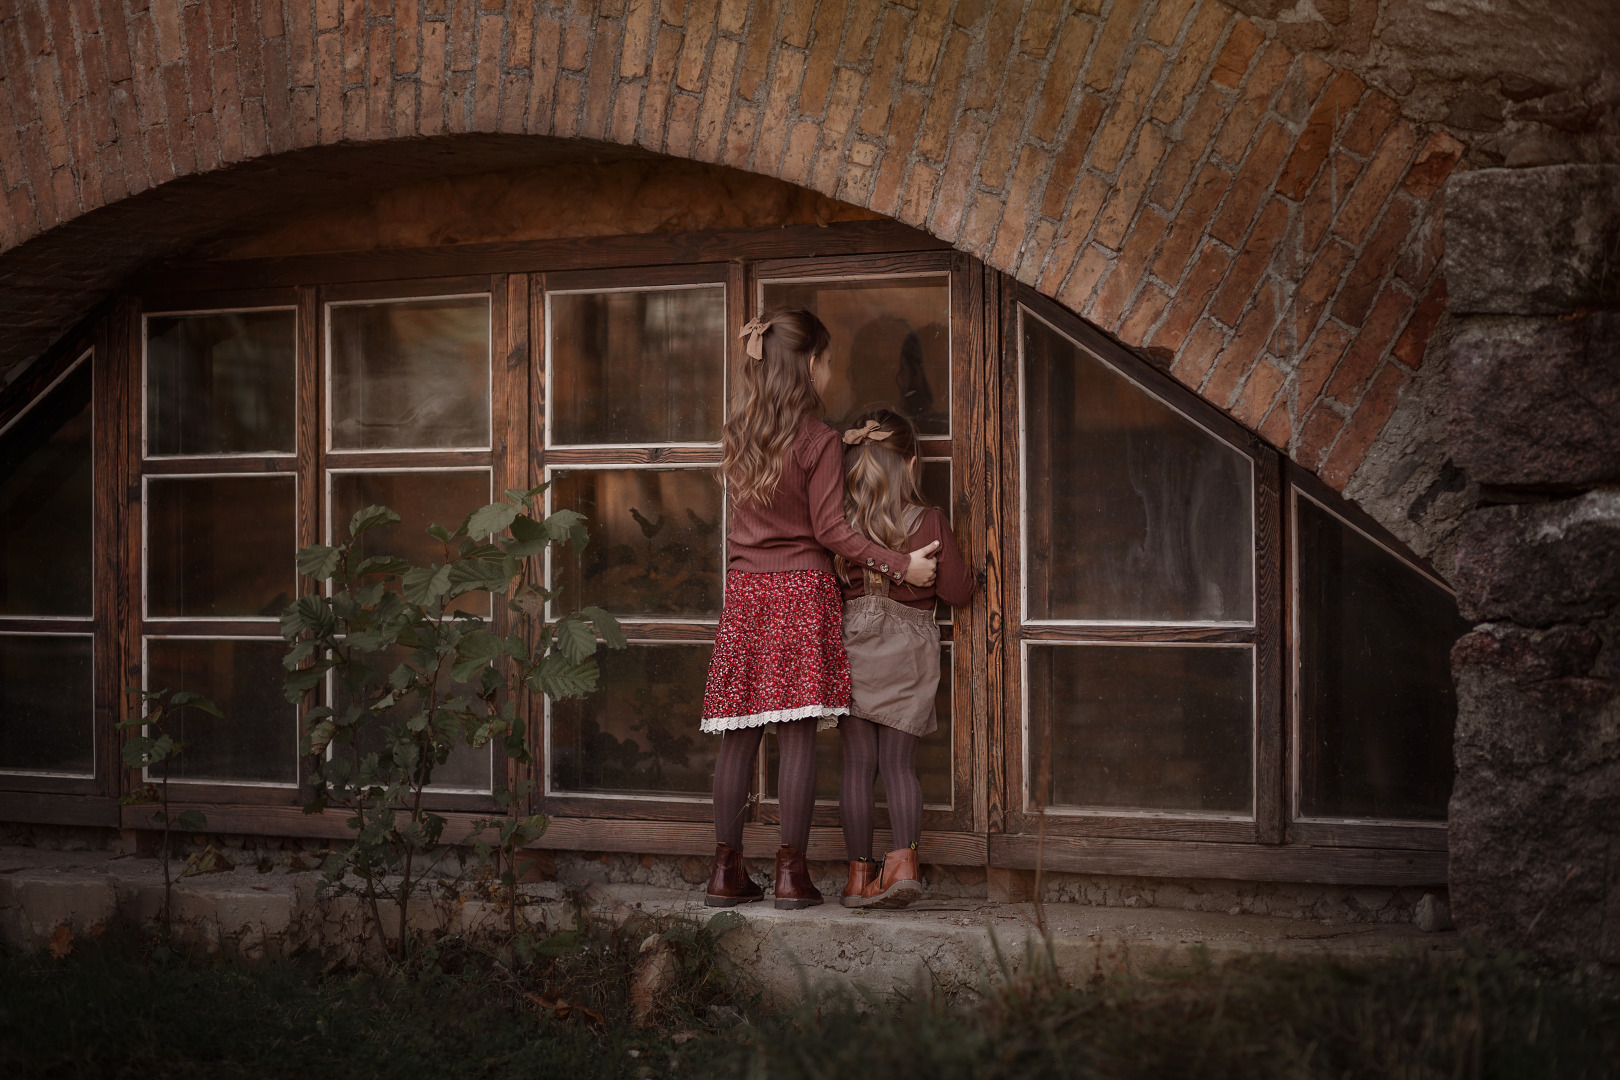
(725, 365)
(146, 541)
(147, 455)
(489, 376)
(56, 774)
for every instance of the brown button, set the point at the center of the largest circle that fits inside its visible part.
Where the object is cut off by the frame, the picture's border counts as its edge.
(885, 568)
(869, 562)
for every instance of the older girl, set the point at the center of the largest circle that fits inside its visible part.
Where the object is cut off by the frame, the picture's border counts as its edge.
(779, 654)
(893, 645)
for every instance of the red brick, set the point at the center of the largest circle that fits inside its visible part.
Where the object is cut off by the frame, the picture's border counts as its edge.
(1364, 426)
(1318, 362)
(984, 89)
(1016, 219)
(520, 32)
(979, 225)
(1278, 427)
(733, 15)
(1413, 344)
(543, 88)
(1251, 185)
(1008, 124)
(773, 129)
(660, 83)
(757, 51)
(682, 126)
(1374, 263)
(796, 23)
(515, 97)
(1040, 23)
(1233, 62)
(939, 123)
(1321, 281)
(301, 51)
(1066, 166)
(1116, 217)
(1322, 202)
(860, 33)
(1189, 65)
(1317, 138)
(1191, 297)
(1167, 20)
(739, 145)
(1309, 76)
(880, 86)
(1184, 156)
(672, 12)
(1196, 355)
(1259, 392)
(700, 25)
(1371, 345)
(1189, 225)
(1322, 426)
(958, 173)
(818, 70)
(1377, 112)
(1128, 270)
(968, 12)
(1061, 78)
(711, 125)
(1243, 350)
(432, 106)
(1251, 263)
(929, 31)
(841, 106)
(1077, 224)
(1150, 305)
(801, 145)
(919, 195)
(1252, 102)
(639, 27)
(1381, 176)
(1116, 34)
(886, 187)
(110, 16)
(1088, 270)
(1434, 163)
(1037, 249)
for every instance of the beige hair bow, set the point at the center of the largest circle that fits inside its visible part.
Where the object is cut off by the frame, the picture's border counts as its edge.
(871, 430)
(755, 333)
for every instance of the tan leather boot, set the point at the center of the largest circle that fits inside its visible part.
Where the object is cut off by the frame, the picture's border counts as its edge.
(861, 873)
(898, 885)
(729, 883)
(794, 888)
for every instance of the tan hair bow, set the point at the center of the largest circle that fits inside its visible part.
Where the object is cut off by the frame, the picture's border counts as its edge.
(755, 333)
(871, 430)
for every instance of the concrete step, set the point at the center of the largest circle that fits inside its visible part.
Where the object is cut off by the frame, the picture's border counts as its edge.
(955, 944)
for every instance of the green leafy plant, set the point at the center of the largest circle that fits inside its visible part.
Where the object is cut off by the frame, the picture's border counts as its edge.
(156, 747)
(414, 673)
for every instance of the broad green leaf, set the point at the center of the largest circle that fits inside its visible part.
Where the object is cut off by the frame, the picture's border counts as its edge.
(318, 561)
(382, 564)
(426, 586)
(477, 574)
(439, 533)
(575, 639)
(607, 627)
(369, 517)
(308, 614)
(192, 821)
(320, 736)
(558, 678)
(187, 699)
(490, 519)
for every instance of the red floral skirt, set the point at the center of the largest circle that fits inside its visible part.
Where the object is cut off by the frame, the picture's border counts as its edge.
(779, 652)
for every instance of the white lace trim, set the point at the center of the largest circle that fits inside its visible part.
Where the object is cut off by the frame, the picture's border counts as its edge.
(828, 714)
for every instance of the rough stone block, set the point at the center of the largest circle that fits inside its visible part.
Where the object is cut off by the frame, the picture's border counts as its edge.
(1541, 563)
(1533, 241)
(1536, 401)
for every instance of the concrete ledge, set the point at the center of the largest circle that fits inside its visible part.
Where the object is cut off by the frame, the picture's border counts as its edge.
(955, 944)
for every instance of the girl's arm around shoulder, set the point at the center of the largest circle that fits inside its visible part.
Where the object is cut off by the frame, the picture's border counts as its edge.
(826, 502)
(954, 581)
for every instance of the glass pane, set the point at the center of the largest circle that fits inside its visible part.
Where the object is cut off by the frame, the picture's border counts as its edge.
(638, 367)
(257, 742)
(411, 375)
(656, 543)
(220, 545)
(638, 734)
(47, 704)
(933, 754)
(46, 497)
(1131, 511)
(221, 384)
(420, 499)
(891, 343)
(1376, 701)
(465, 769)
(1141, 727)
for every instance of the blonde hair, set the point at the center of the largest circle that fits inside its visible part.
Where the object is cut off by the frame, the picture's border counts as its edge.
(880, 481)
(776, 393)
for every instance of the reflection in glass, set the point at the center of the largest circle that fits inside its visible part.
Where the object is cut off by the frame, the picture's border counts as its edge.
(410, 375)
(891, 343)
(46, 497)
(933, 753)
(221, 383)
(465, 769)
(638, 367)
(420, 499)
(656, 543)
(220, 545)
(47, 703)
(1141, 727)
(1131, 511)
(638, 733)
(1376, 702)
(257, 742)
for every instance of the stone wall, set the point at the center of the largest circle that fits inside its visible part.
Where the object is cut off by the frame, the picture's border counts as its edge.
(1533, 261)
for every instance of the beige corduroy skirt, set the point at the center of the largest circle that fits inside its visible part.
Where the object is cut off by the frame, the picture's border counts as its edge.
(893, 663)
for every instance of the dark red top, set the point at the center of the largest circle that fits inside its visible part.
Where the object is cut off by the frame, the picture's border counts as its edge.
(952, 581)
(805, 518)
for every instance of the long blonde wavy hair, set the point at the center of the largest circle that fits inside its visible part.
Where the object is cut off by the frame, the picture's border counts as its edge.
(880, 480)
(776, 393)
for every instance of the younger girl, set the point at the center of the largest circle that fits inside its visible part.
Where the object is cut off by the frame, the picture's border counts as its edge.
(779, 654)
(893, 645)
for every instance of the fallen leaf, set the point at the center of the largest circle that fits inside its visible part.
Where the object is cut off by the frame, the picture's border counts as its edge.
(682, 1037)
(62, 941)
(210, 860)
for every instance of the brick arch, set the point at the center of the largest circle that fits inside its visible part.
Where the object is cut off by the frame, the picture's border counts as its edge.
(1262, 224)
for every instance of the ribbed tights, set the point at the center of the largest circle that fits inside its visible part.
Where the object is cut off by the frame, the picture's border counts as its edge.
(869, 748)
(795, 781)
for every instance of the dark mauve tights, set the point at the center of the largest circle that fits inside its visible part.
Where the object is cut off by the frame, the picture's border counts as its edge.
(869, 748)
(795, 781)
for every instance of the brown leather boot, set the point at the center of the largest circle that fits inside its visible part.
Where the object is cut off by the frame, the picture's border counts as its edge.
(794, 889)
(899, 884)
(729, 883)
(861, 873)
